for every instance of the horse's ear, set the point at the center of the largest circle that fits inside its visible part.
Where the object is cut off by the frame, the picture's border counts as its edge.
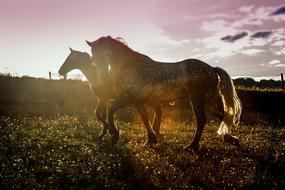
(71, 50)
(89, 43)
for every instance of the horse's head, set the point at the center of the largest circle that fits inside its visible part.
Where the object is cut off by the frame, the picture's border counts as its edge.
(102, 56)
(101, 50)
(75, 60)
(108, 51)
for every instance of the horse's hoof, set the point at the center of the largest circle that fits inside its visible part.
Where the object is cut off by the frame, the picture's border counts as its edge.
(100, 138)
(115, 139)
(152, 138)
(192, 148)
(150, 144)
(159, 135)
(151, 141)
(233, 140)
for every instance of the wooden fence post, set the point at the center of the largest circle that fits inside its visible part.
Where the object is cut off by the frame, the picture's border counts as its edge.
(49, 74)
(282, 81)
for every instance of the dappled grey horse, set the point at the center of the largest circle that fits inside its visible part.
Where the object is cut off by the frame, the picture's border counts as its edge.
(104, 92)
(137, 78)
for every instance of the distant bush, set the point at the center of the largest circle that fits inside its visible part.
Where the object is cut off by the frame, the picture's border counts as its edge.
(37, 96)
(250, 82)
(5, 75)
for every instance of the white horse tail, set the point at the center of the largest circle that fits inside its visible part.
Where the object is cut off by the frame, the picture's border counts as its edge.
(231, 102)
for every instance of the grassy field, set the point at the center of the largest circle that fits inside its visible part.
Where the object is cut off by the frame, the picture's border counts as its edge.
(62, 152)
(48, 141)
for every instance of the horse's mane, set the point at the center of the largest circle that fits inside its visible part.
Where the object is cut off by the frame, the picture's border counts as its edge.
(121, 47)
(109, 39)
(120, 44)
(122, 40)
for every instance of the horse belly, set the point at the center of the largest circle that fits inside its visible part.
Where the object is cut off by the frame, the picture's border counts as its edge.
(168, 92)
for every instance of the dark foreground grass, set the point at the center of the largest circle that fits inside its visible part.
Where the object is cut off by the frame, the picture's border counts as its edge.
(62, 153)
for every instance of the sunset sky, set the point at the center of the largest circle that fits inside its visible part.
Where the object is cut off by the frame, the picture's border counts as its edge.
(246, 37)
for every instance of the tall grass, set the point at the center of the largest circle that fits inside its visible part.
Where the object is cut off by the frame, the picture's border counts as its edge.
(62, 153)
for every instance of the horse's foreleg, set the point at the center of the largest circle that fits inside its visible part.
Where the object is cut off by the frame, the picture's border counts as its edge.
(110, 118)
(100, 113)
(199, 111)
(144, 115)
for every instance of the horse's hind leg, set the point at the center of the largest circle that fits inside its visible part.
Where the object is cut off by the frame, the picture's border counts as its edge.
(199, 111)
(119, 103)
(225, 131)
(101, 113)
(144, 115)
(157, 118)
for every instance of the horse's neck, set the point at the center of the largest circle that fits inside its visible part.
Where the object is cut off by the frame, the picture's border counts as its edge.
(126, 59)
(101, 88)
(90, 73)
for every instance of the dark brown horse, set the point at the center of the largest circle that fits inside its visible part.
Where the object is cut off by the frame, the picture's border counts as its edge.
(104, 92)
(138, 78)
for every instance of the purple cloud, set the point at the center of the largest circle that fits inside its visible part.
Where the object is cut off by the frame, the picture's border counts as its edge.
(233, 38)
(261, 34)
(279, 11)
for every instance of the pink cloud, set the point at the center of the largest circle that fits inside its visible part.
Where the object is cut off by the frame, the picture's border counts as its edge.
(279, 65)
(246, 9)
(274, 62)
(252, 52)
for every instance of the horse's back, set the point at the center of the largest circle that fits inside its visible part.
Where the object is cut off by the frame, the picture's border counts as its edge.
(199, 77)
(194, 66)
